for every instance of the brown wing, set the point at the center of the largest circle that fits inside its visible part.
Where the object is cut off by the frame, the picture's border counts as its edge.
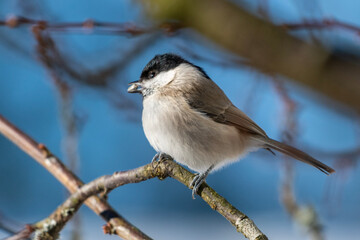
(236, 117)
(209, 99)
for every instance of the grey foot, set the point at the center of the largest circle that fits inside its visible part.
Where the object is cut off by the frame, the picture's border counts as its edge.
(198, 180)
(160, 156)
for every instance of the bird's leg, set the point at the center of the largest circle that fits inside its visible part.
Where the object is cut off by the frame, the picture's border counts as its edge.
(198, 180)
(160, 156)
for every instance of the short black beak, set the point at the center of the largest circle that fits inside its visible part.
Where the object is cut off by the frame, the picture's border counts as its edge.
(135, 87)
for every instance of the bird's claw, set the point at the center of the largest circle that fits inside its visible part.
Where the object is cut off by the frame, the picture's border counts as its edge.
(160, 156)
(155, 158)
(198, 180)
(195, 184)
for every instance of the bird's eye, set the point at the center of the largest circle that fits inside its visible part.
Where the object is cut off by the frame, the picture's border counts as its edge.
(152, 74)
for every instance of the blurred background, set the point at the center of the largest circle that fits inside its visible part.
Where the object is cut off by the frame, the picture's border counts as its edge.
(66, 88)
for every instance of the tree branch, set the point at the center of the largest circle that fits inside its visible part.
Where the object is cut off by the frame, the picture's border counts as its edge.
(305, 216)
(40, 153)
(164, 168)
(268, 48)
(321, 24)
(89, 26)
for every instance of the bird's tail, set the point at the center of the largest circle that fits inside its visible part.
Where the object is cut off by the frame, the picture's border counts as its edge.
(298, 155)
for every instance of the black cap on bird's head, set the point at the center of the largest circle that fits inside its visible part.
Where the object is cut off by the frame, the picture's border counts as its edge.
(160, 63)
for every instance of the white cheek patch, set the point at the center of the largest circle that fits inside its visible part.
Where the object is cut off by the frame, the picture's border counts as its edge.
(160, 80)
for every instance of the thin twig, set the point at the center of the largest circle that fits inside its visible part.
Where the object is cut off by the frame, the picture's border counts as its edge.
(23, 234)
(321, 24)
(161, 169)
(89, 26)
(305, 216)
(8, 225)
(44, 157)
(62, 68)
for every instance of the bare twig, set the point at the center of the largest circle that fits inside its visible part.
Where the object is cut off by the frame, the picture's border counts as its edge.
(62, 68)
(161, 169)
(89, 25)
(305, 216)
(23, 234)
(8, 225)
(186, 49)
(327, 23)
(40, 153)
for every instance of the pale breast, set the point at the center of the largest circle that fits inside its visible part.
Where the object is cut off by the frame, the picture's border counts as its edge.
(191, 138)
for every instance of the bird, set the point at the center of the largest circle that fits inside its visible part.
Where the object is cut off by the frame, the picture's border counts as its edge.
(188, 117)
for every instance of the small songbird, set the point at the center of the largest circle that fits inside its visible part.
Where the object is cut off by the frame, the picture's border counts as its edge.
(188, 117)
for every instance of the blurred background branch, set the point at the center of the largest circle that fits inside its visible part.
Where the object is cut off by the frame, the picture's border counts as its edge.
(268, 48)
(305, 216)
